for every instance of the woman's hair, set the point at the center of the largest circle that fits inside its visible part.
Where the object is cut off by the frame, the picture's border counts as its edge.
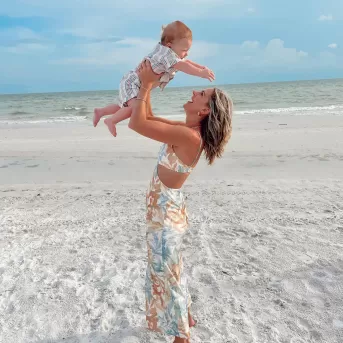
(216, 128)
(175, 30)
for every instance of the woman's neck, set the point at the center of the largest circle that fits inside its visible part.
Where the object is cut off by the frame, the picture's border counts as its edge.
(192, 123)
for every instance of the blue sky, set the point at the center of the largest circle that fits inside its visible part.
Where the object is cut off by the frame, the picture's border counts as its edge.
(71, 45)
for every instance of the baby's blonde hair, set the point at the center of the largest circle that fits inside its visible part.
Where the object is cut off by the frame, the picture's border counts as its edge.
(175, 30)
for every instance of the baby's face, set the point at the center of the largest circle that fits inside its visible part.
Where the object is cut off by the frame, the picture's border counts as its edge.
(181, 47)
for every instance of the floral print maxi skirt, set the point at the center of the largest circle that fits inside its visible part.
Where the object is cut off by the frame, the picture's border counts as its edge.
(166, 293)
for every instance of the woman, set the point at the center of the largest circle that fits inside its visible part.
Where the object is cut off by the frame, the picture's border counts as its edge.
(207, 128)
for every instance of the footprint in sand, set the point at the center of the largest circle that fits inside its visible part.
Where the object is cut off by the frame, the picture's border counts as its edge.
(314, 335)
(297, 340)
(203, 275)
(280, 303)
(204, 334)
(130, 339)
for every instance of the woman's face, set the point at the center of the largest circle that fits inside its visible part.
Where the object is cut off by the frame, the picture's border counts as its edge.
(199, 102)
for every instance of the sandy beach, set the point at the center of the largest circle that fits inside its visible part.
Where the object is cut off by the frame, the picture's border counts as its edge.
(263, 254)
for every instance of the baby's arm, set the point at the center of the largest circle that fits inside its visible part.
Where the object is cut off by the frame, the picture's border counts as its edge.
(191, 69)
(196, 64)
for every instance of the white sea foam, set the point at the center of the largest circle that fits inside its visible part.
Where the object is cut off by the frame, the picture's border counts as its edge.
(315, 110)
(69, 119)
(72, 108)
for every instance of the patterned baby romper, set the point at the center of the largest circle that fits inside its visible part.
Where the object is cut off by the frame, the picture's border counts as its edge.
(162, 60)
(166, 292)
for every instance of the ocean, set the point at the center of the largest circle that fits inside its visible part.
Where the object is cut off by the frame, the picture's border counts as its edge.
(320, 97)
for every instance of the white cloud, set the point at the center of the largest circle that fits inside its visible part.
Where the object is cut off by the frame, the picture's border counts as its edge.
(251, 10)
(333, 46)
(202, 50)
(328, 59)
(328, 17)
(23, 41)
(302, 53)
(12, 36)
(85, 62)
(127, 53)
(276, 53)
(30, 48)
(250, 44)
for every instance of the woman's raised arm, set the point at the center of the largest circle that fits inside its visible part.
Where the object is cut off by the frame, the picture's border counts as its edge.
(157, 130)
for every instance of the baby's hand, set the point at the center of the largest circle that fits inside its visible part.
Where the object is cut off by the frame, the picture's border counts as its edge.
(208, 74)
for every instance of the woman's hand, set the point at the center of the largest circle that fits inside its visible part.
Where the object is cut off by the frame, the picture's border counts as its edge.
(146, 75)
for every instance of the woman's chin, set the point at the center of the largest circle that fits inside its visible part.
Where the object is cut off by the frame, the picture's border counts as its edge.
(188, 106)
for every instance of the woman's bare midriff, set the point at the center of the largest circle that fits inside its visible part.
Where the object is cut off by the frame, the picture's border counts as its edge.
(171, 178)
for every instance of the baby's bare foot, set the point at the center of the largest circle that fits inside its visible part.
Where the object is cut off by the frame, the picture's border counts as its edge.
(96, 117)
(111, 126)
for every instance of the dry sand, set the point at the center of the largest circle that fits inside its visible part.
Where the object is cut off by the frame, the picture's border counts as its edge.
(263, 254)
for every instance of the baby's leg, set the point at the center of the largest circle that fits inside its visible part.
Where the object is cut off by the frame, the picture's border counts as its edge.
(100, 112)
(122, 114)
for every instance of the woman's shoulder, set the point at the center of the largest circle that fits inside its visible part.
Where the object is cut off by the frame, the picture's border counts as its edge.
(194, 136)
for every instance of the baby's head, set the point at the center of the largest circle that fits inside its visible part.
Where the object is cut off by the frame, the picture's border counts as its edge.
(178, 37)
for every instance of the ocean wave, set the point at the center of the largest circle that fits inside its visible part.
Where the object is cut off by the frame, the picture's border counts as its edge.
(16, 106)
(77, 111)
(69, 119)
(84, 111)
(73, 108)
(17, 113)
(310, 110)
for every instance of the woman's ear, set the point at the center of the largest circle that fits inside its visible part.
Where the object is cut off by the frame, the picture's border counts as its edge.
(205, 111)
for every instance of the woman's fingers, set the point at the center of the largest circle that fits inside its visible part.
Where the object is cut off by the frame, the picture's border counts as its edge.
(146, 64)
(146, 72)
(142, 65)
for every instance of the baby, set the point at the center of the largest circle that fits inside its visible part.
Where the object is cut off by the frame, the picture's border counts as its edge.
(168, 57)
